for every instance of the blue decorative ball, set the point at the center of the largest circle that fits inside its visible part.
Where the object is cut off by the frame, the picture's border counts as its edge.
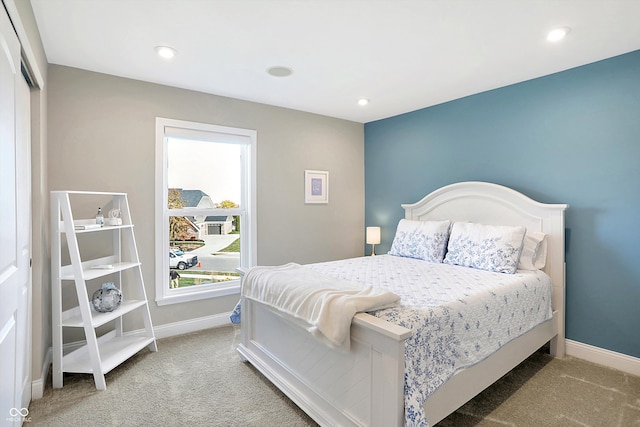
(107, 298)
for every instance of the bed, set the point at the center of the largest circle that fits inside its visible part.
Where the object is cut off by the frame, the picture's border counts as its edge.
(367, 385)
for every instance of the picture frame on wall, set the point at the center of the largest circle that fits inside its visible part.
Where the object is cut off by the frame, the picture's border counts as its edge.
(316, 186)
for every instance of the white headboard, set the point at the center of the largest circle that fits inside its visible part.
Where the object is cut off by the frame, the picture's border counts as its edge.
(495, 204)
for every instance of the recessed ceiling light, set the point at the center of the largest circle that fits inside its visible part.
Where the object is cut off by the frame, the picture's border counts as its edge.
(558, 34)
(363, 101)
(166, 52)
(279, 71)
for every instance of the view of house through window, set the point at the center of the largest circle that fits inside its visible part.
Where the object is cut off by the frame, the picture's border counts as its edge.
(204, 180)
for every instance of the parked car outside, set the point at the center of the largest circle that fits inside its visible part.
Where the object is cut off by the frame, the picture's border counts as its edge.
(180, 260)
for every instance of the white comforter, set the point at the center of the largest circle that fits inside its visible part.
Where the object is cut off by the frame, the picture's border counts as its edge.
(458, 315)
(322, 304)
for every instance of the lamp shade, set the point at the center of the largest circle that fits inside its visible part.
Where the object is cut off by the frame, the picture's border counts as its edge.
(373, 235)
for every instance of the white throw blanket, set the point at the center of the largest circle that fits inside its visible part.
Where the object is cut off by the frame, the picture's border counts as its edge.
(324, 304)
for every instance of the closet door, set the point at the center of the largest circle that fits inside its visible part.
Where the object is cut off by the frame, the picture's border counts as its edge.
(14, 252)
(24, 221)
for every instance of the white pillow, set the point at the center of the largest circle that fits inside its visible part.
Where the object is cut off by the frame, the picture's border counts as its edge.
(534, 251)
(486, 247)
(425, 240)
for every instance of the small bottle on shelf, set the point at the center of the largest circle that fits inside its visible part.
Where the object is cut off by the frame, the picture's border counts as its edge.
(99, 217)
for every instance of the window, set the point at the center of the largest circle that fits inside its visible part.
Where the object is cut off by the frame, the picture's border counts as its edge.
(205, 209)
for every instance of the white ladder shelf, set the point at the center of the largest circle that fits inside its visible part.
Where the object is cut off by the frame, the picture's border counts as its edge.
(102, 353)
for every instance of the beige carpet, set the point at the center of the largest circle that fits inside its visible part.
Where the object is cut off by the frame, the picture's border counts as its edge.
(198, 380)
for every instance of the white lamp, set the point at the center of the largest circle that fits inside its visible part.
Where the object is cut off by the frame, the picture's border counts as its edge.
(373, 238)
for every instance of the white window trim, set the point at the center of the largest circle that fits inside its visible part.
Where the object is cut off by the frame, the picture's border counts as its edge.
(165, 295)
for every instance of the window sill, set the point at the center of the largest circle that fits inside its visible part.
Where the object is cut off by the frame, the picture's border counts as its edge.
(173, 297)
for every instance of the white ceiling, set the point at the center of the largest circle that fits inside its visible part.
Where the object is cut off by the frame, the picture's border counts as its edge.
(401, 54)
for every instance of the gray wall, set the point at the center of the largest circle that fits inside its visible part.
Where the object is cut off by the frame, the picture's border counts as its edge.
(101, 134)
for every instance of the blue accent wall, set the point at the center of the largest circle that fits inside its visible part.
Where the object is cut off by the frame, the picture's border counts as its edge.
(571, 137)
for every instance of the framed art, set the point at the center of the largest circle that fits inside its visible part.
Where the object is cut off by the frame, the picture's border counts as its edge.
(316, 186)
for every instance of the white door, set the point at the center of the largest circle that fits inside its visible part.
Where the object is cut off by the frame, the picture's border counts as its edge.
(23, 210)
(15, 196)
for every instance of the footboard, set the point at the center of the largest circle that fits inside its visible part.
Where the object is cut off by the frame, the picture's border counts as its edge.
(361, 387)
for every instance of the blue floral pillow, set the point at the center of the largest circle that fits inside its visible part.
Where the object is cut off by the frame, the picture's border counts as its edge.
(485, 247)
(425, 240)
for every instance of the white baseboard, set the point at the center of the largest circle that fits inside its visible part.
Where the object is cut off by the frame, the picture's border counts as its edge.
(193, 325)
(611, 359)
(38, 384)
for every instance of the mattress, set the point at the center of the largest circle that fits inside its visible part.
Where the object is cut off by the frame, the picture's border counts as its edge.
(458, 315)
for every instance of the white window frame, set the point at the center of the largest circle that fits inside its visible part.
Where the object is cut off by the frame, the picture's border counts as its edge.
(248, 247)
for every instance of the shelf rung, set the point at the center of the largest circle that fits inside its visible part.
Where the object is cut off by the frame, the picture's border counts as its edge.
(103, 228)
(113, 351)
(73, 318)
(94, 273)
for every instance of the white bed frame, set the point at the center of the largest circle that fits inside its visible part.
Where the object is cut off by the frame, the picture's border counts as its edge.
(364, 387)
